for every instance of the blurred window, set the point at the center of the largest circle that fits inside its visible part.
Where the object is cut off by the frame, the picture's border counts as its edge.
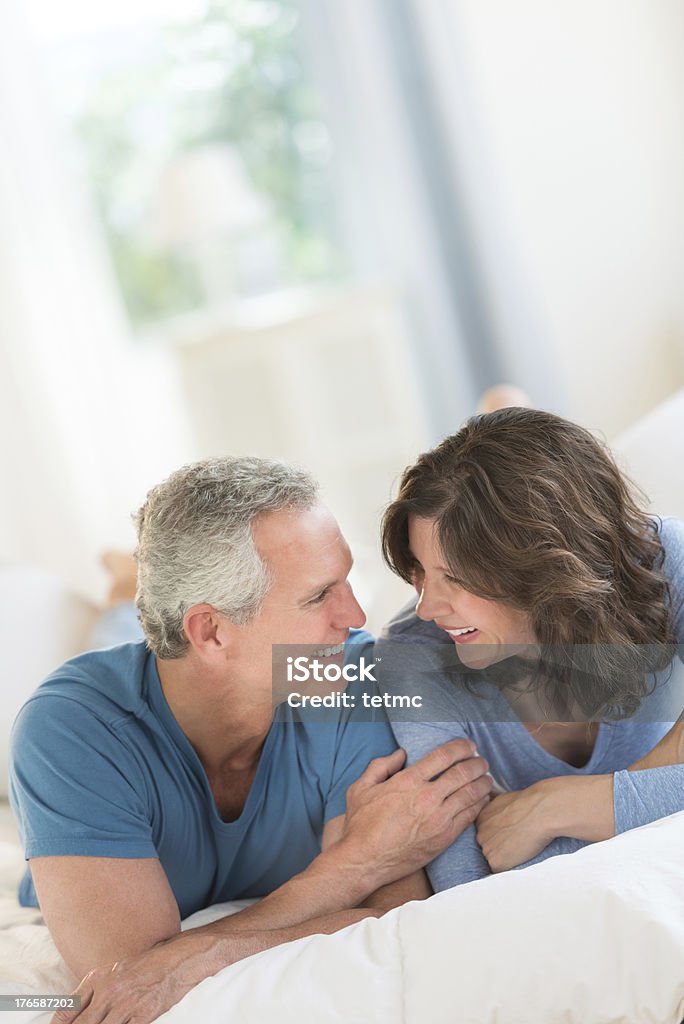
(200, 138)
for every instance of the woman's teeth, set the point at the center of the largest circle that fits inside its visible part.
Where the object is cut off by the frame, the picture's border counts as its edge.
(462, 632)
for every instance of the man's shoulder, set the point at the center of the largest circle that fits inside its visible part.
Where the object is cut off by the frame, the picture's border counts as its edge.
(107, 684)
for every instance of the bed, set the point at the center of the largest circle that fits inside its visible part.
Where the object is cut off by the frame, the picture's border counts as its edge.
(596, 937)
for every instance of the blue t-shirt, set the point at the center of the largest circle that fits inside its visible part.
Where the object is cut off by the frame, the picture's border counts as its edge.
(428, 669)
(101, 768)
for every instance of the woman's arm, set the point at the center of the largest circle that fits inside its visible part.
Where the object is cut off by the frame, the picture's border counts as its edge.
(463, 861)
(516, 827)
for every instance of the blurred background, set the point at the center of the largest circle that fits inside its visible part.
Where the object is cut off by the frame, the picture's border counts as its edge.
(317, 230)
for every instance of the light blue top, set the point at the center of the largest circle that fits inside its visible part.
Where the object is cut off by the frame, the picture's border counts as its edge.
(516, 760)
(101, 768)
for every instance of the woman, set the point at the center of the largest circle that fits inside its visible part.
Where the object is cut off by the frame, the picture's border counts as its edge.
(548, 613)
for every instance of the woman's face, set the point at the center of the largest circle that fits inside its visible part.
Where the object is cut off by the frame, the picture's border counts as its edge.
(483, 631)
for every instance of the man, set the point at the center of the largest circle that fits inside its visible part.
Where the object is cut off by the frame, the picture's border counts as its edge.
(151, 781)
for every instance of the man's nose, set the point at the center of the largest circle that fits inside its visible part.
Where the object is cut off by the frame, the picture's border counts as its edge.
(349, 614)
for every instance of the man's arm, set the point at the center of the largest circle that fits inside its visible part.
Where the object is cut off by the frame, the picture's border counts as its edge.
(395, 823)
(101, 909)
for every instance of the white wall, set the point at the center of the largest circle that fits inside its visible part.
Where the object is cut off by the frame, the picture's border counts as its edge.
(573, 158)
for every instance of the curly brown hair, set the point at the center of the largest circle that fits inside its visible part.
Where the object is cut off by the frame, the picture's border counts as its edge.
(531, 510)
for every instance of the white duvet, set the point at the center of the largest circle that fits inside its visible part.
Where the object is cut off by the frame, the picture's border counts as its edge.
(592, 938)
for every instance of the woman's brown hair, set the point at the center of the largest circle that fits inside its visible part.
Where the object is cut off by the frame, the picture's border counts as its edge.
(531, 510)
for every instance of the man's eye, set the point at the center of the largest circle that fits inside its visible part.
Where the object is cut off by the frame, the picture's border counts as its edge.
(319, 597)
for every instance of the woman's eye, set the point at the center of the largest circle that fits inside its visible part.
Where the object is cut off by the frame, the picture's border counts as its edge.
(450, 579)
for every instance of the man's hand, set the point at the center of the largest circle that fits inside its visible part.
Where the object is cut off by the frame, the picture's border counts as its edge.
(137, 988)
(396, 822)
(515, 827)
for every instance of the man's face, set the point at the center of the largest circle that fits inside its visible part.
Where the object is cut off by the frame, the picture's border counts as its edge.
(310, 602)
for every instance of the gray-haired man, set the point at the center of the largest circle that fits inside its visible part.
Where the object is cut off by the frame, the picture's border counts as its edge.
(152, 780)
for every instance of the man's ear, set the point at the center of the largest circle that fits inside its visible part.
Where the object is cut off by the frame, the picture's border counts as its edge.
(208, 631)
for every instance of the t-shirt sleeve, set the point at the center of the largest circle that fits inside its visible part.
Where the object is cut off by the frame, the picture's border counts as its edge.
(75, 787)
(362, 735)
(463, 861)
(645, 796)
(412, 668)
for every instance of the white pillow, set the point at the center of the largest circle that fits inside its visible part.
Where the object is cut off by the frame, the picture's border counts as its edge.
(42, 624)
(650, 452)
(593, 937)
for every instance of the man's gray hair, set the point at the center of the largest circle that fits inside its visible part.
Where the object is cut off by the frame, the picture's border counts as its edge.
(195, 542)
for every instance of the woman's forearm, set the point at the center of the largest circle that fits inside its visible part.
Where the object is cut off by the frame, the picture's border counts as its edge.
(587, 808)
(581, 806)
(584, 807)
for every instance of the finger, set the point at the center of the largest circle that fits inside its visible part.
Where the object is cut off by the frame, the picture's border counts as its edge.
(441, 758)
(459, 775)
(465, 817)
(490, 811)
(469, 796)
(483, 831)
(85, 992)
(381, 769)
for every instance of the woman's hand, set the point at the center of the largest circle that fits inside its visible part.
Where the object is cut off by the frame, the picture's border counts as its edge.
(515, 827)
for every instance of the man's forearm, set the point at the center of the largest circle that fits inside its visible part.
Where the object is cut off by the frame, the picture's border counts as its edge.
(336, 880)
(206, 953)
(155, 980)
(323, 898)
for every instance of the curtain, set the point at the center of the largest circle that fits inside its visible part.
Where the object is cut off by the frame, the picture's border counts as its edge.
(86, 422)
(421, 201)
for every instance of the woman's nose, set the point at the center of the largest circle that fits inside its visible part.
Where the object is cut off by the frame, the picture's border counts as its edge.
(431, 603)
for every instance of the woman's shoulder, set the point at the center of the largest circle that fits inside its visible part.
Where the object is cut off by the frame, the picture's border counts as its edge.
(671, 534)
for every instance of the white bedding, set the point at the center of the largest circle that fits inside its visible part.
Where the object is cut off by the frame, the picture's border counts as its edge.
(595, 937)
